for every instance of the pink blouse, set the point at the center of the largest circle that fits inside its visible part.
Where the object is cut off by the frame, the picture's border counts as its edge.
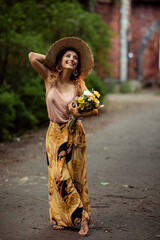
(57, 104)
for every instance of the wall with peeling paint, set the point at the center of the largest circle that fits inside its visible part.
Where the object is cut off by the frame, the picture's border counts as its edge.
(142, 60)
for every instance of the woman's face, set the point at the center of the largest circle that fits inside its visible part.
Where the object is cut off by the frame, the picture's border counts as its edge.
(70, 60)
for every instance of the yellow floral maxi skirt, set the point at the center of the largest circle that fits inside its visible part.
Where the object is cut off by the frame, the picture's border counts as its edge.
(66, 159)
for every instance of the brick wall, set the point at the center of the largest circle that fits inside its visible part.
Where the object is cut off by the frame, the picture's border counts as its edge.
(143, 18)
(111, 15)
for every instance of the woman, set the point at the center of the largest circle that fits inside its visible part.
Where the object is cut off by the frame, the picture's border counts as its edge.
(66, 64)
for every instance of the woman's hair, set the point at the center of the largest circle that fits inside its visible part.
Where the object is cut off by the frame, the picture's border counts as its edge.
(57, 70)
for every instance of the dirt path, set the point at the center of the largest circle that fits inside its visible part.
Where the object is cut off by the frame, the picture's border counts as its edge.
(123, 175)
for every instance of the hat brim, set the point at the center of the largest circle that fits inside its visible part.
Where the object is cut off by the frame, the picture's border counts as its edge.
(86, 56)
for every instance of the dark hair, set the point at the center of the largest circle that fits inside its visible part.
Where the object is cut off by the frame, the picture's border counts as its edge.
(61, 54)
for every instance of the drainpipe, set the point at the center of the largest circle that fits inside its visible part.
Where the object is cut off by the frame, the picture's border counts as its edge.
(124, 43)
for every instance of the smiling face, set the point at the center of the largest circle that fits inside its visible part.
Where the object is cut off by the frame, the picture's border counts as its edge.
(70, 60)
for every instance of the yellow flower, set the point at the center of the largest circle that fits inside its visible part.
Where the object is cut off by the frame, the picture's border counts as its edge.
(96, 93)
(93, 96)
(81, 106)
(96, 101)
(80, 100)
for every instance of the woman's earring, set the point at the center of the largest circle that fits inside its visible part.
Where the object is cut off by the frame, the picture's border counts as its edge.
(75, 72)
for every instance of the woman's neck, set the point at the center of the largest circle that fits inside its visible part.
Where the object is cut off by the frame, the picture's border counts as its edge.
(65, 76)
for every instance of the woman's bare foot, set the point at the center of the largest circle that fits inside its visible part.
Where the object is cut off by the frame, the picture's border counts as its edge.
(84, 231)
(58, 227)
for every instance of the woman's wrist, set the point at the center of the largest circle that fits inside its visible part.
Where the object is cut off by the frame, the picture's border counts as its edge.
(82, 114)
(36, 56)
(78, 115)
(41, 58)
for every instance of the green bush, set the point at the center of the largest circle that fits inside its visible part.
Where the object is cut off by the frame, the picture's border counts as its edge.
(125, 87)
(14, 116)
(112, 86)
(93, 81)
(25, 119)
(8, 114)
(32, 93)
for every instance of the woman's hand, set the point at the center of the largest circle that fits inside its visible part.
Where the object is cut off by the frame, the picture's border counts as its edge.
(74, 110)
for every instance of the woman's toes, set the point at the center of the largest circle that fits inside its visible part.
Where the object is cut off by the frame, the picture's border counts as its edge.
(84, 231)
(58, 227)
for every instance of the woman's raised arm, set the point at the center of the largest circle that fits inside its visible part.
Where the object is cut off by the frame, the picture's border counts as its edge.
(37, 62)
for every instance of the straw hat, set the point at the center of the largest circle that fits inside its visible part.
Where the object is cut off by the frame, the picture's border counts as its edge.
(86, 56)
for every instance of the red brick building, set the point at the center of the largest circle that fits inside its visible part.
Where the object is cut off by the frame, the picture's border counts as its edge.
(135, 52)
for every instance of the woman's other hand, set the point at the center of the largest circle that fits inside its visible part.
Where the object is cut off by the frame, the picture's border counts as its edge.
(37, 62)
(74, 110)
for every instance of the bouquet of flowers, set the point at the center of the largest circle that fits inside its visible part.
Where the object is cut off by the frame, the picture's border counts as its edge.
(85, 103)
